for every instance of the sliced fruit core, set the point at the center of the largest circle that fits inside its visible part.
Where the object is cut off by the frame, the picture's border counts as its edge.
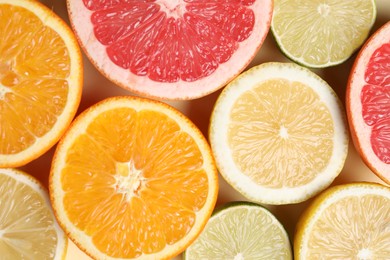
(169, 41)
(281, 134)
(26, 223)
(129, 180)
(34, 66)
(352, 228)
(375, 98)
(134, 182)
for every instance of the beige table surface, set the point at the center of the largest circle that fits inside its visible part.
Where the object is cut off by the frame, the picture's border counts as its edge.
(96, 88)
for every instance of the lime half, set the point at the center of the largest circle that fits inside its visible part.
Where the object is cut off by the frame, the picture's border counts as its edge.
(241, 230)
(321, 33)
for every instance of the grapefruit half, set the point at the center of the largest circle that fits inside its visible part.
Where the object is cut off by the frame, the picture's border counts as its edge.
(368, 102)
(170, 49)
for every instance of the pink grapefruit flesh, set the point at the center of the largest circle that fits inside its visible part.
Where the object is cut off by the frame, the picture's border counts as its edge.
(171, 49)
(368, 102)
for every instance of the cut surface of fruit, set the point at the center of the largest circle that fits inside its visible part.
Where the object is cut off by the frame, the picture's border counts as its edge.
(321, 33)
(278, 133)
(368, 102)
(168, 49)
(28, 228)
(133, 179)
(40, 80)
(241, 230)
(349, 221)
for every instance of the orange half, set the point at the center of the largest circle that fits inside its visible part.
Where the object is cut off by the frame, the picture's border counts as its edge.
(133, 179)
(40, 80)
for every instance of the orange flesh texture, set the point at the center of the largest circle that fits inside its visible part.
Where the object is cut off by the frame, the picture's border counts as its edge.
(349, 226)
(281, 134)
(169, 41)
(133, 182)
(34, 66)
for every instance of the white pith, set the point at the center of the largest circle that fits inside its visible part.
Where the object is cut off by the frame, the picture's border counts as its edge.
(219, 140)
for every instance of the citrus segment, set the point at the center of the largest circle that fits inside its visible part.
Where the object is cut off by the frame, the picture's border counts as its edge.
(368, 102)
(375, 100)
(321, 33)
(348, 221)
(171, 49)
(278, 133)
(133, 178)
(40, 80)
(287, 116)
(28, 228)
(241, 230)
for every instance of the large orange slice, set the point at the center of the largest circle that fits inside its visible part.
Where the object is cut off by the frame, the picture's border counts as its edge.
(40, 80)
(133, 179)
(172, 49)
(368, 102)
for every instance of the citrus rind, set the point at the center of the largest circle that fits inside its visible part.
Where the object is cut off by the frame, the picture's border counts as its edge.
(323, 201)
(360, 131)
(219, 141)
(316, 18)
(219, 215)
(181, 90)
(75, 80)
(79, 237)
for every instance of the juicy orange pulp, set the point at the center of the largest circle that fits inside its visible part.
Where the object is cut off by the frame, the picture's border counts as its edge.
(33, 85)
(133, 196)
(288, 137)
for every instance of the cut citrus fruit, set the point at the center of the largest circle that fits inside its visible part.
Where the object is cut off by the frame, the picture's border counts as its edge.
(28, 228)
(278, 133)
(349, 221)
(40, 80)
(241, 230)
(133, 179)
(368, 102)
(321, 33)
(171, 49)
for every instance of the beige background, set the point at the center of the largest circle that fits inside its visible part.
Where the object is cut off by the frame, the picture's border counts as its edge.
(96, 88)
